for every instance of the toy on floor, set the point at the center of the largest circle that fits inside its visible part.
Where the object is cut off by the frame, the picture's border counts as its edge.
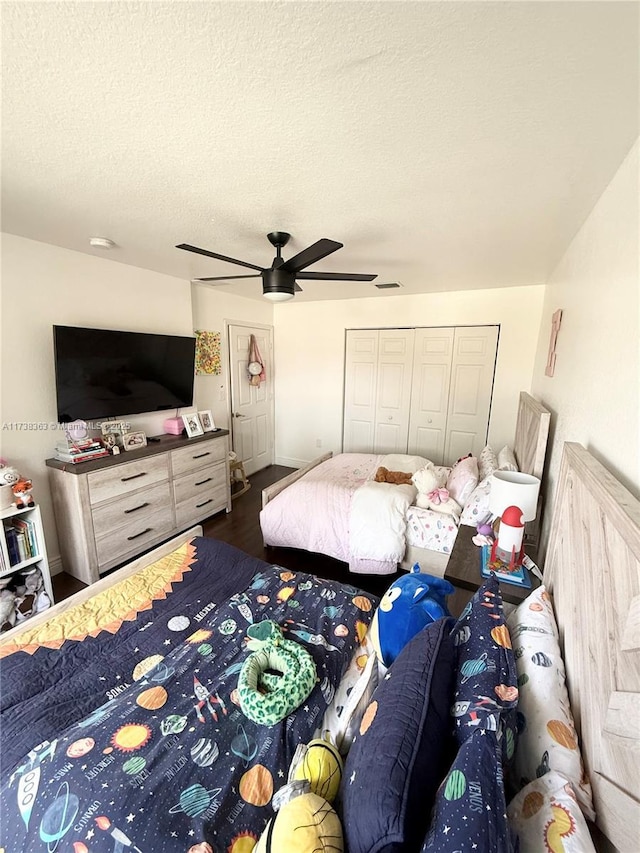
(431, 495)
(409, 605)
(397, 478)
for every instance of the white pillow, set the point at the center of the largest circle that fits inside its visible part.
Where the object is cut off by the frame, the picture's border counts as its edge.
(547, 738)
(507, 459)
(343, 716)
(546, 816)
(487, 462)
(476, 510)
(463, 479)
(403, 462)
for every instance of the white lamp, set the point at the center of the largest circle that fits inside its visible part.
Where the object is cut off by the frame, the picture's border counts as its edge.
(514, 498)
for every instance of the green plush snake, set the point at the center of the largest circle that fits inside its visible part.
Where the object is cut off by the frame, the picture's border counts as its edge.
(276, 678)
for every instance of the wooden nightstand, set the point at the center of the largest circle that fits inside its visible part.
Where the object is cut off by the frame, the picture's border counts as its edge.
(463, 568)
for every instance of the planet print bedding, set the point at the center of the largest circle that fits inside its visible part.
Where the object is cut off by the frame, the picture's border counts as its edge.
(120, 721)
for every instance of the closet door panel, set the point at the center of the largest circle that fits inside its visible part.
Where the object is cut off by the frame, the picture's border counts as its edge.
(433, 353)
(474, 358)
(393, 397)
(361, 377)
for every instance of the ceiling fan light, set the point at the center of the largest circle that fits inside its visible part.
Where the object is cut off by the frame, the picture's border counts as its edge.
(277, 296)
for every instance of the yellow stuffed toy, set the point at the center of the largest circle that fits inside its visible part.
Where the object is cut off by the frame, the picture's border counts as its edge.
(305, 821)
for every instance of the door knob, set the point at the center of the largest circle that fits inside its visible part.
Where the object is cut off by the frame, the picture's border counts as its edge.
(390, 417)
(238, 415)
(429, 421)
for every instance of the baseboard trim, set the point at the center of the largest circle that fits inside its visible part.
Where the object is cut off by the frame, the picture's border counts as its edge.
(55, 566)
(292, 463)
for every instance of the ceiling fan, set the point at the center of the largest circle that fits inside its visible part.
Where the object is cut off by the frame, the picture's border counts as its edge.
(279, 280)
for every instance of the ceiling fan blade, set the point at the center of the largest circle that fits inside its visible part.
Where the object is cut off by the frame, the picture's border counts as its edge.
(337, 276)
(218, 257)
(297, 287)
(225, 277)
(310, 255)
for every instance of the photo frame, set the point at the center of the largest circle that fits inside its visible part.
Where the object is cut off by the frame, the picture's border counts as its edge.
(134, 440)
(192, 425)
(206, 420)
(116, 429)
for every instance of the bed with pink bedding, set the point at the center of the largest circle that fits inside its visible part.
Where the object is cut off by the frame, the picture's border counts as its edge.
(338, 509)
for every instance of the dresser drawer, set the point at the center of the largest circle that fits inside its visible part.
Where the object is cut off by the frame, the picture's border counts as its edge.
(133, 535)
(199, 482)
(197, 507)
(110, 517)
(198, 455)
(120, 479)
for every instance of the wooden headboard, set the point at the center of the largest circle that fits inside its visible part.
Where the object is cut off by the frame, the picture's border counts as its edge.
(532, 432)
(593, 572)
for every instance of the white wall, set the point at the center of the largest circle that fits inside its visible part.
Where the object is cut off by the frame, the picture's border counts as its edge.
(43, 285)
(212, 311)
(309, 352)
(594, 394)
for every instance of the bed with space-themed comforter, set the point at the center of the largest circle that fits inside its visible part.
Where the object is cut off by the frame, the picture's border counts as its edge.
(120, 724)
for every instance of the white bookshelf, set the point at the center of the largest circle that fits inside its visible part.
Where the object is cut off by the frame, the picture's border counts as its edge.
(39, 559)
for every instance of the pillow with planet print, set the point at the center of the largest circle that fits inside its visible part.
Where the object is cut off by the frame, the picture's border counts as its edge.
(547, 739)
(546, 816)
(402, 749)
(470, 811)
(486, 692)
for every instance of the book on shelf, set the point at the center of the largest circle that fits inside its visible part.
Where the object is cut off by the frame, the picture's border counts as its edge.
(518, 576)
(11, 538)
(28, 528)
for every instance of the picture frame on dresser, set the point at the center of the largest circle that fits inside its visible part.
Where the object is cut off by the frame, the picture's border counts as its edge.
(192, 424)
(206, 419)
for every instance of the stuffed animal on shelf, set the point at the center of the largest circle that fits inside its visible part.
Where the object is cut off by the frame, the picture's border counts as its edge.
(8, 474)
(409, 605)
(7, 609)
(397, 478)
(22, 493)
(431, 495)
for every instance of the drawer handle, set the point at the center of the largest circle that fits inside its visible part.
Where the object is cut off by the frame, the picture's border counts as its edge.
(142, 532)
(136, 508)
(202, 482)
(200, 455)
(133, 477)
(204, 503)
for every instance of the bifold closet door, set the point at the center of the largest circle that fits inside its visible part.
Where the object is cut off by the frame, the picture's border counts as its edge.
(393, 395)
(472, 371)
(361, 379)
(433, 356)
(378, 373)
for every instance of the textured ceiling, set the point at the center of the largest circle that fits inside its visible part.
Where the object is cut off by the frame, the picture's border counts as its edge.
(449, 146)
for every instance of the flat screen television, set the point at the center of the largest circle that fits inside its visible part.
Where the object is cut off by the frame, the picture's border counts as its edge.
(104, 373)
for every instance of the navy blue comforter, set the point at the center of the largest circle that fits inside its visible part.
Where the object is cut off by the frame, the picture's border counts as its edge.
(134, 740)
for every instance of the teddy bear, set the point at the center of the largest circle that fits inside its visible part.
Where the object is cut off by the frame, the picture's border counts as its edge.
(397, 478)
(431, 495)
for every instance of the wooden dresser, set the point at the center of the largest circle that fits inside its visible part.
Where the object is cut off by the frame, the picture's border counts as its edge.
(112, 509)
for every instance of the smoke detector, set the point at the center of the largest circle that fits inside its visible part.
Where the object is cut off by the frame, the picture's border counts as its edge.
(101, 243)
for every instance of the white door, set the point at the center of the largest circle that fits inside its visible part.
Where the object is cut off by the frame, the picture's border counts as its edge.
(252, 417)
(393, 395)
(433, 354)
(361, 374)
(474, 360)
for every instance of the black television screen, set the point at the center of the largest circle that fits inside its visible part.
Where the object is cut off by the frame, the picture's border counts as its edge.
(103, 373)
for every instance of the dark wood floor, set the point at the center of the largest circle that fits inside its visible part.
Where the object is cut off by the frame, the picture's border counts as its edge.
(241, 528)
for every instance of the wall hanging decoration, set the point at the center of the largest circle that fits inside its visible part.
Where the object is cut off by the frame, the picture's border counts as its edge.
(553, 340)
(208, 353)
(255, 368)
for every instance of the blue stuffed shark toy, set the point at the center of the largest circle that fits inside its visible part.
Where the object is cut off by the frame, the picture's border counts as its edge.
(409, 605)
